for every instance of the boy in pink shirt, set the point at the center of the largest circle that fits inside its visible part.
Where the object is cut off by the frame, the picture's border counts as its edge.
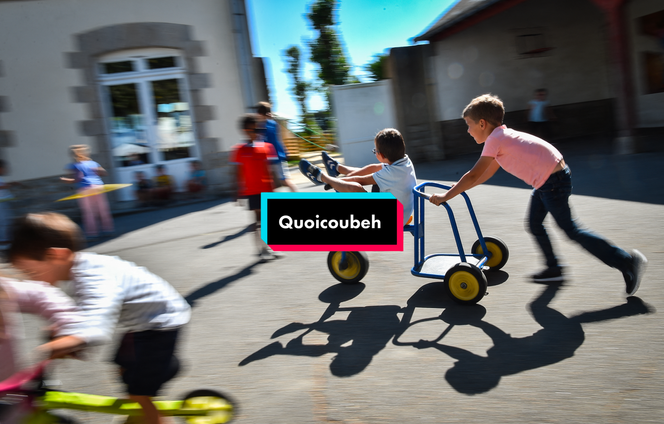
(541, 165)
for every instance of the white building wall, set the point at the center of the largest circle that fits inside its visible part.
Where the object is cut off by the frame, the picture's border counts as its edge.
(35, 37)
(361, 111)
(484, 59)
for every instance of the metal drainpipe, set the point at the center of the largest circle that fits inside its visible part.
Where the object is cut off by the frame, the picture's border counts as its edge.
(243, 50)
(619, 56)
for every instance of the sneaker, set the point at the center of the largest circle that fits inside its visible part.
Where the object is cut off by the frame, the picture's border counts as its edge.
(633, 276)
(311, 171)
(265, 256)
(331, 165)
(275, 255)
(549, 275)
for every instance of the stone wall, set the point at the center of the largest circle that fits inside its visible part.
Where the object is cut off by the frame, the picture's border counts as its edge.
(578, 120)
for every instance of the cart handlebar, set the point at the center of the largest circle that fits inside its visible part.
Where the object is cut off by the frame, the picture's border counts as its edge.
(416, 189)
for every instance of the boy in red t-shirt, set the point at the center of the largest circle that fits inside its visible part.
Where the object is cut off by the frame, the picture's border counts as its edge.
(252, 175)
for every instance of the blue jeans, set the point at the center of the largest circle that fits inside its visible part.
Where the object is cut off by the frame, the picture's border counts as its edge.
(553, 198)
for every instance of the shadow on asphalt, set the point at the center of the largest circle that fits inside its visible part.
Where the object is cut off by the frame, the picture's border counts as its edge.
(355, 340)
(495, 278)
(215, 286)
(141, 219)
(558, 339)
(249, 228)
(367, 330)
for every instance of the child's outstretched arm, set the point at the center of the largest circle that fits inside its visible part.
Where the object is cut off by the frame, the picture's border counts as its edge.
(484, 169)
(53, 305)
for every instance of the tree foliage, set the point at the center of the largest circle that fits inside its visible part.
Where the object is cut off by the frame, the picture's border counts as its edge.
(300, 87)
(377, 68)
(327, 49)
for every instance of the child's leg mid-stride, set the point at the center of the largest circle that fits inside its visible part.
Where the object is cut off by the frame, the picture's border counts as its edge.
(553, 198)
(264, 251)
(147, 361)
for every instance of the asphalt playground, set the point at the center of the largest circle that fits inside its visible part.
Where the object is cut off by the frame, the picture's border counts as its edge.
(291, 345)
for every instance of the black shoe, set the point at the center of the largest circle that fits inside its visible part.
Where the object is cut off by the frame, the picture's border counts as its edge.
(635, 273)
(549, 275)
(311, 171)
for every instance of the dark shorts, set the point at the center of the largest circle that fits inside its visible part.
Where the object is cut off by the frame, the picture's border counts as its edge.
(148, 360)
(254, 202)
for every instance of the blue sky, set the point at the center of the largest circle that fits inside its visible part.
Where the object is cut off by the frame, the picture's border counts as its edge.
(367, 27)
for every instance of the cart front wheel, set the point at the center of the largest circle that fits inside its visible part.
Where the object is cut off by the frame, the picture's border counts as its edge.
(350, 270)
(498, 249)
(465, 283)
(220, 408)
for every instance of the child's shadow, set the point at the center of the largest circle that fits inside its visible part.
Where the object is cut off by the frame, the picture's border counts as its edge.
(355, 340)
(249, 228)
(557, 340)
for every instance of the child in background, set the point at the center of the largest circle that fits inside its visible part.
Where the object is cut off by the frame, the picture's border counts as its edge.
(197, 180)
(143, 188)
(269, 130)
(85, 173)
(253, 176)
(393, 174)
(539, 113)
(108, 292)
(541, 165)
(163, 184)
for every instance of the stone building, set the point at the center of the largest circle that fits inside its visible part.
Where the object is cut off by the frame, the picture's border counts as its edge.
(141, 82)
(602, 62)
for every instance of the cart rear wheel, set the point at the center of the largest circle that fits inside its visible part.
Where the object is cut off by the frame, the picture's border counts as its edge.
(220, 408)
(498, 249)
(465, 283)
(352, 271)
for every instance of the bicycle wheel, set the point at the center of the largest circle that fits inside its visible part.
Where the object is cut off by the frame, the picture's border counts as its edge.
(354, 270)
(220, 409)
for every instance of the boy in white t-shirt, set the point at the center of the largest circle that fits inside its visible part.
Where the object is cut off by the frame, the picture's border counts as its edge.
(394, 174)
(541, 165)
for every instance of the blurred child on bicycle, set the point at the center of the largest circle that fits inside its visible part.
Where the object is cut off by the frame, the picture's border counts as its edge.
(109, 292)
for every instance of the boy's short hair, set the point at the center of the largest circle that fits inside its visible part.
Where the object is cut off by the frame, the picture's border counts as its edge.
(487, 107)
(34, 233)
(390, 144)
(160, 167)
(248, 120)
(263, 108)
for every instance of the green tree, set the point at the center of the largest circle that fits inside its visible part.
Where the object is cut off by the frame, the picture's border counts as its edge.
(300, 88)
(326, 49)
(377, 68)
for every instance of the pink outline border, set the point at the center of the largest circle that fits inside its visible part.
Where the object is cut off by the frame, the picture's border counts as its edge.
(348, 247)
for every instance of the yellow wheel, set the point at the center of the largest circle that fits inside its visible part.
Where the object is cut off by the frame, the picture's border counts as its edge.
(219, 408)
(348, 271)
(465, 283)
(498, 250)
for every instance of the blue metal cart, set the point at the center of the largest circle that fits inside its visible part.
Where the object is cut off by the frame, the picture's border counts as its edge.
(462, 272)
